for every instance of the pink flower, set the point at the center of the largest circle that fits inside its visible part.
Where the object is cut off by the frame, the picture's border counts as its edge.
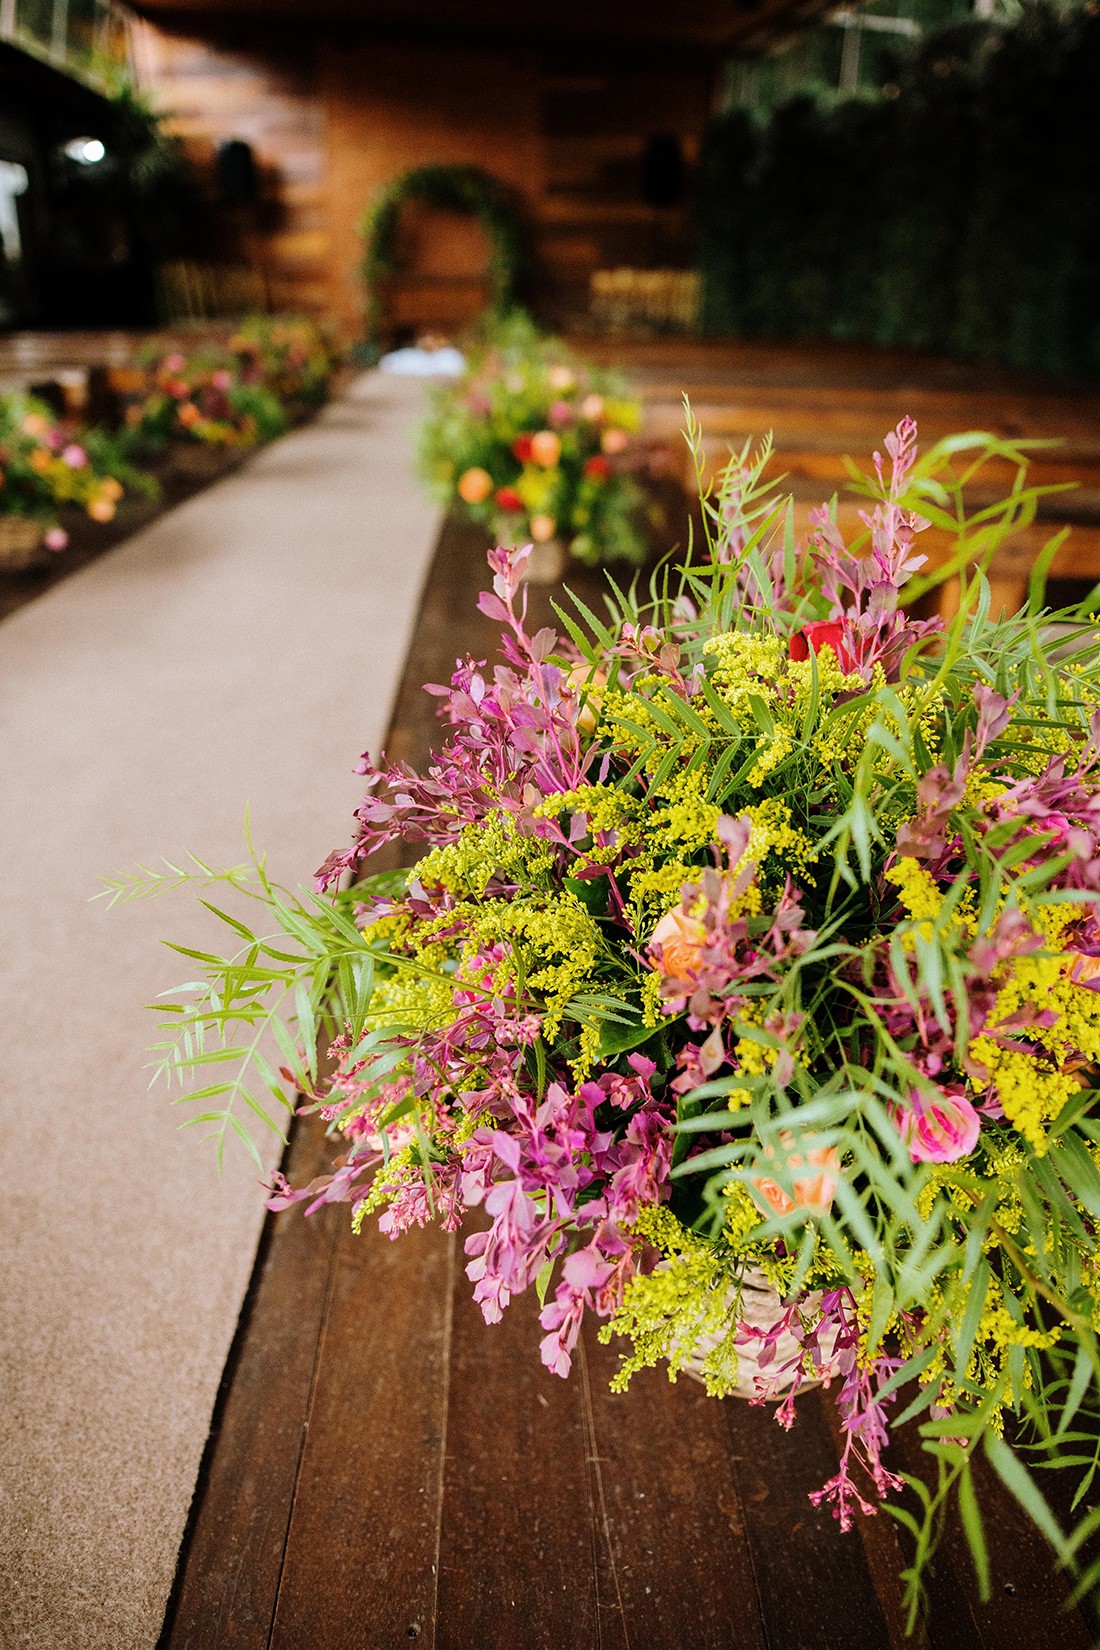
(74, 456)
(56, 538)
(940, 1132)
(174, 363)
(222, 379)
(560, 414)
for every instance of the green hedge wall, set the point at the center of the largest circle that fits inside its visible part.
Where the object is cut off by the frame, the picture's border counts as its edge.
(963, 216)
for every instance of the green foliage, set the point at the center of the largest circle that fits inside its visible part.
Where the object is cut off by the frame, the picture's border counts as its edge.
(292, 356)
(214, 397)
(960, 217)
(280, 995)
(160, 185)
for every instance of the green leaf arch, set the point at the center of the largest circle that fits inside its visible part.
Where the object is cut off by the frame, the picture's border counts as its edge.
(454, 188)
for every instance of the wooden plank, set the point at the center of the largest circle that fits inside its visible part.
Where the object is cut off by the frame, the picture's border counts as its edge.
(673, 1547)
(361, 1550)
(225, 1591)
(886, 1557)
(517, 1559)
(1026, 1609)
(815, 1588)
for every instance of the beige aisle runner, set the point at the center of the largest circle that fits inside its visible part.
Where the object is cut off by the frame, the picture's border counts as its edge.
(243, 650)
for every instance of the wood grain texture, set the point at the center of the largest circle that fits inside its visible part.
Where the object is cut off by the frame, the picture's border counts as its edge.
(670, 1507)
(228, 1582)
(361, 1551)
(816, 1591)
(516, 1559)
(1027, 1608)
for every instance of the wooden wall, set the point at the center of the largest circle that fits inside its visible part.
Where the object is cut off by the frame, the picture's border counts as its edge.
(219, 90)
(334, 115)
(389, 106)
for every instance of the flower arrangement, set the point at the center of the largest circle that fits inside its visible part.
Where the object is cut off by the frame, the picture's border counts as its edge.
(755, 950)
(292, 356)
(201, 398)
(44, 465)
(537, 446)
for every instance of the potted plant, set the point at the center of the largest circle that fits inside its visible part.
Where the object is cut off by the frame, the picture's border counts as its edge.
(749, 986)
(290, 355)
(538, 447)
(198, 409)
(46, 466)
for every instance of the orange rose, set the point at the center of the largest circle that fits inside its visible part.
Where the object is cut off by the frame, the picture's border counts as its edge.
(475, 485)
(546, 448)
(814, 1192)
(681, 940)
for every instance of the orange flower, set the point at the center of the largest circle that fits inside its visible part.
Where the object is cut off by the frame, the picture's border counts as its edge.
(40, 460)
(614, 440)
(475, 485)
(189, 414)
(681, 940)
(1084, 969)
(543, 528)
(110, 488)
(546, 448)
(101, 509)
(814, 1192)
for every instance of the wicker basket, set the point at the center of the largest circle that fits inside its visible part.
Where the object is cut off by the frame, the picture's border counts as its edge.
(762, 1308)
(20, 543)
(203, 461)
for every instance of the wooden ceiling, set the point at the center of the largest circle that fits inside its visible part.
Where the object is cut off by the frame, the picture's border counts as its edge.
(694, 26)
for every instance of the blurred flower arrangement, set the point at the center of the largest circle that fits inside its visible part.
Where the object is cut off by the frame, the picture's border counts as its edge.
(45, 465)
(292, 356)
(201, 398)
(755, 953)
(538, 446)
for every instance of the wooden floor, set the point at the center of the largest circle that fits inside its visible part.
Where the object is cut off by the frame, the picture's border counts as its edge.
(384, 1469)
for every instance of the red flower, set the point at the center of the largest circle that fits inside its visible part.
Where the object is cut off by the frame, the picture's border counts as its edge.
(598, 468)
(824, 633)
(508, 499)
(521, 446)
